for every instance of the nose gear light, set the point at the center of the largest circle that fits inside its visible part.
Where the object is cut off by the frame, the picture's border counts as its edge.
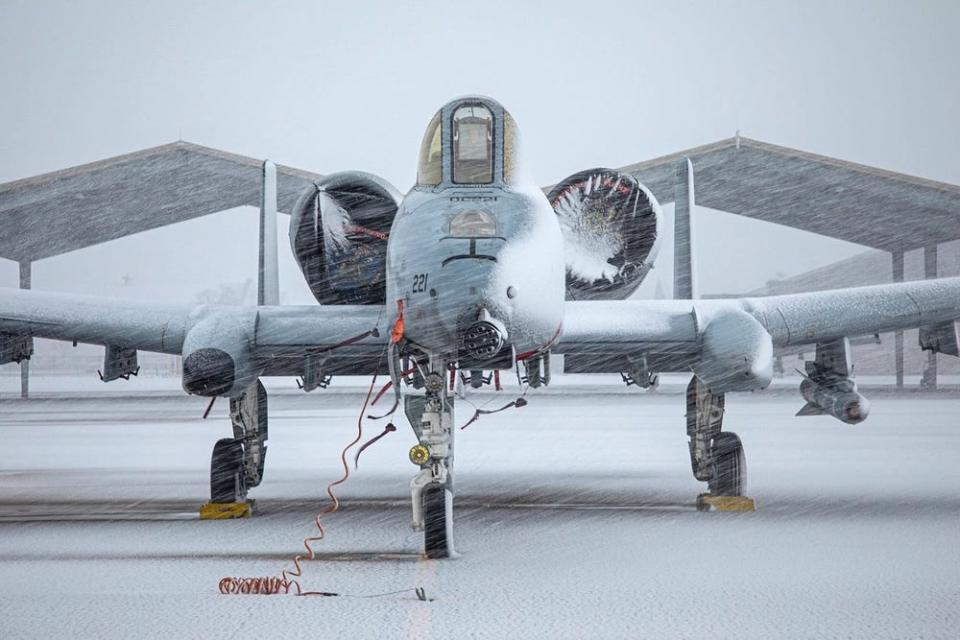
(419, 455)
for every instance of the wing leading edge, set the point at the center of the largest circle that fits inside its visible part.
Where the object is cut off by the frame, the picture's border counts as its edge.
(349, 339)
(607, 336)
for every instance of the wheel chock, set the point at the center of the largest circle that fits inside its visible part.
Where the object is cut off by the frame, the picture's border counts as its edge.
(225, 510)
(709, 502)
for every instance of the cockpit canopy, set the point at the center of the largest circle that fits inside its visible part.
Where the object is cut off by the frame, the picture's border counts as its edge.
(470, 141)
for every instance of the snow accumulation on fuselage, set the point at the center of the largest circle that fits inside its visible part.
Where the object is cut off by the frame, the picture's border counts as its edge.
(475, 237)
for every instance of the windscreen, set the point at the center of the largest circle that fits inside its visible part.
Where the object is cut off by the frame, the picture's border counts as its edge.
(472, 145)
(430, 165)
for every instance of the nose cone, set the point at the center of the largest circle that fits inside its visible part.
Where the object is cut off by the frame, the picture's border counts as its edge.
(856, 410)
(208, 372)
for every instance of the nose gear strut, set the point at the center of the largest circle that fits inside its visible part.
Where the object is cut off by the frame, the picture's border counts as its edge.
(431, 490)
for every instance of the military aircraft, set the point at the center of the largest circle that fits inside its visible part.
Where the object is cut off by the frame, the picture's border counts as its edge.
(476, 270)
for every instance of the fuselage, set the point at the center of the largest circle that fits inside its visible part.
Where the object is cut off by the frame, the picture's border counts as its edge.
(475, 238)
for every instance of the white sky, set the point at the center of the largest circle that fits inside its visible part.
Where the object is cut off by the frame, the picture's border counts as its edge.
(350, 85)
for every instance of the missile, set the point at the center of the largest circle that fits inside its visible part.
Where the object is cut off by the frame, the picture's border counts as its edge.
(838, 398)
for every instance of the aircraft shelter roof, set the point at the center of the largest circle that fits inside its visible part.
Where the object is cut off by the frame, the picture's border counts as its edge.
(835, 198)
(66, 210)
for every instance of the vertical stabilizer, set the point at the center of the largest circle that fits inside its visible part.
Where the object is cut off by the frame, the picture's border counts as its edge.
(684, 267)
(268, 281)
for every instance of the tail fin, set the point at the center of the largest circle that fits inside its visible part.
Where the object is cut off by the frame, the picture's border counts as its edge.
(268, 280)
(684, 266)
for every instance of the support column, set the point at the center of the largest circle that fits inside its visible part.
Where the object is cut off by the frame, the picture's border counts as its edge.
(929, 380)
(25, 365)
(898, 336)
(684, 278)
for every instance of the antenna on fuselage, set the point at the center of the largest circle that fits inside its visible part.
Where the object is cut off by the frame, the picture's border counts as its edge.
(268, 272)
(684, 266)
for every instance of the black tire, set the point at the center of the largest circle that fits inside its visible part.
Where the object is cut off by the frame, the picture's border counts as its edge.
(438, 521)
(729, 466)
(226, 471)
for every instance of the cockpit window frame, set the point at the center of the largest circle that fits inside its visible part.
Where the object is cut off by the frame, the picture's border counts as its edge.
(447, 182)
(492, 151)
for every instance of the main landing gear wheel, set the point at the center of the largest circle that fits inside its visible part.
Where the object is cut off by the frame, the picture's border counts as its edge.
(226, 472)
(729, 466)
(716, 456)
(438, 521)
(236, 464)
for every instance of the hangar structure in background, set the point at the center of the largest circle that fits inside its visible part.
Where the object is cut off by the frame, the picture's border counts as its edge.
(59, 212)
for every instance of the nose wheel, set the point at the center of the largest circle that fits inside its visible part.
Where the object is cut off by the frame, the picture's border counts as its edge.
(437, 521)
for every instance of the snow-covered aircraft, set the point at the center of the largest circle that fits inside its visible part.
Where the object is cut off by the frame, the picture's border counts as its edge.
(476, 270)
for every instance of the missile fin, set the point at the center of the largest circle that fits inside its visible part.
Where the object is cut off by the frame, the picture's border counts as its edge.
(811, 409)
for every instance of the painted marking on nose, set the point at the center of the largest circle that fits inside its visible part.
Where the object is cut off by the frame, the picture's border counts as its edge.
(473, 255)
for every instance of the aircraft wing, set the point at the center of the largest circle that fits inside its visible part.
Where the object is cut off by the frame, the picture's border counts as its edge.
(280, 338)
(684, 335)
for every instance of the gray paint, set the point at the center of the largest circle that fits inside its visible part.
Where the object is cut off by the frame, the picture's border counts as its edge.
(25, 277)
(57, 212)
(684, 286)
(54, 213)
(815, 193)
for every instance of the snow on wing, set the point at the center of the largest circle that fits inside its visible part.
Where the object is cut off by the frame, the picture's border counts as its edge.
(670, 332)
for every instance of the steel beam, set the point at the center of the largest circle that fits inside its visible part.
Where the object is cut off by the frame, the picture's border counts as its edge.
(898, 335)
(929, 380)
(25, 276)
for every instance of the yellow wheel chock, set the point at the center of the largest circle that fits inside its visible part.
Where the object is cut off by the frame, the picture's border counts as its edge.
(225, 510)
(708, 502)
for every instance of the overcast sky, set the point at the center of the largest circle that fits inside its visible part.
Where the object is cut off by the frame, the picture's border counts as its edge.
(351, 85)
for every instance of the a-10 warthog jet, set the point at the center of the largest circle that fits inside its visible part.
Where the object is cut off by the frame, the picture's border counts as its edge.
(476, 270)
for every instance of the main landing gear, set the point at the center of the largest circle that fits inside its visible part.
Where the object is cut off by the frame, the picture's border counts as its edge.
(236, 464)
(431, 416)
(716, 456)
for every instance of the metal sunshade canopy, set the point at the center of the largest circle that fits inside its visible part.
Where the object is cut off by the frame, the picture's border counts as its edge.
(66, 210)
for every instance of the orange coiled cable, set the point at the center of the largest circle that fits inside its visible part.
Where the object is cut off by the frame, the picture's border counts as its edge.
(334, 505)
(270, 585)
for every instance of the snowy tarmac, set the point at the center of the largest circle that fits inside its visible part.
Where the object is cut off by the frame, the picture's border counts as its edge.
(575, 519)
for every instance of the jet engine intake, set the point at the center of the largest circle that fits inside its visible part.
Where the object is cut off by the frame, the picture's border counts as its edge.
(611, 231)
(218, 357)
(338, 232)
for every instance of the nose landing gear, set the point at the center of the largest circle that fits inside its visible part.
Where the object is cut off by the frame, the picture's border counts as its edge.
(716, 456)
(431, 417)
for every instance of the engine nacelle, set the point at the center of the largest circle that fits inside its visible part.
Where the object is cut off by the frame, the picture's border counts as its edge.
(338, 232)
(838, 398)
(611, 233)
(736, 353)
(218, 355)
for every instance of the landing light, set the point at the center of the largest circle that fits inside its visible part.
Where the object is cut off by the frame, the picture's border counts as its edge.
(473, 224)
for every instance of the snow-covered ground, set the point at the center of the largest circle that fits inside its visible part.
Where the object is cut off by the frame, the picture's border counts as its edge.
(575, 519)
